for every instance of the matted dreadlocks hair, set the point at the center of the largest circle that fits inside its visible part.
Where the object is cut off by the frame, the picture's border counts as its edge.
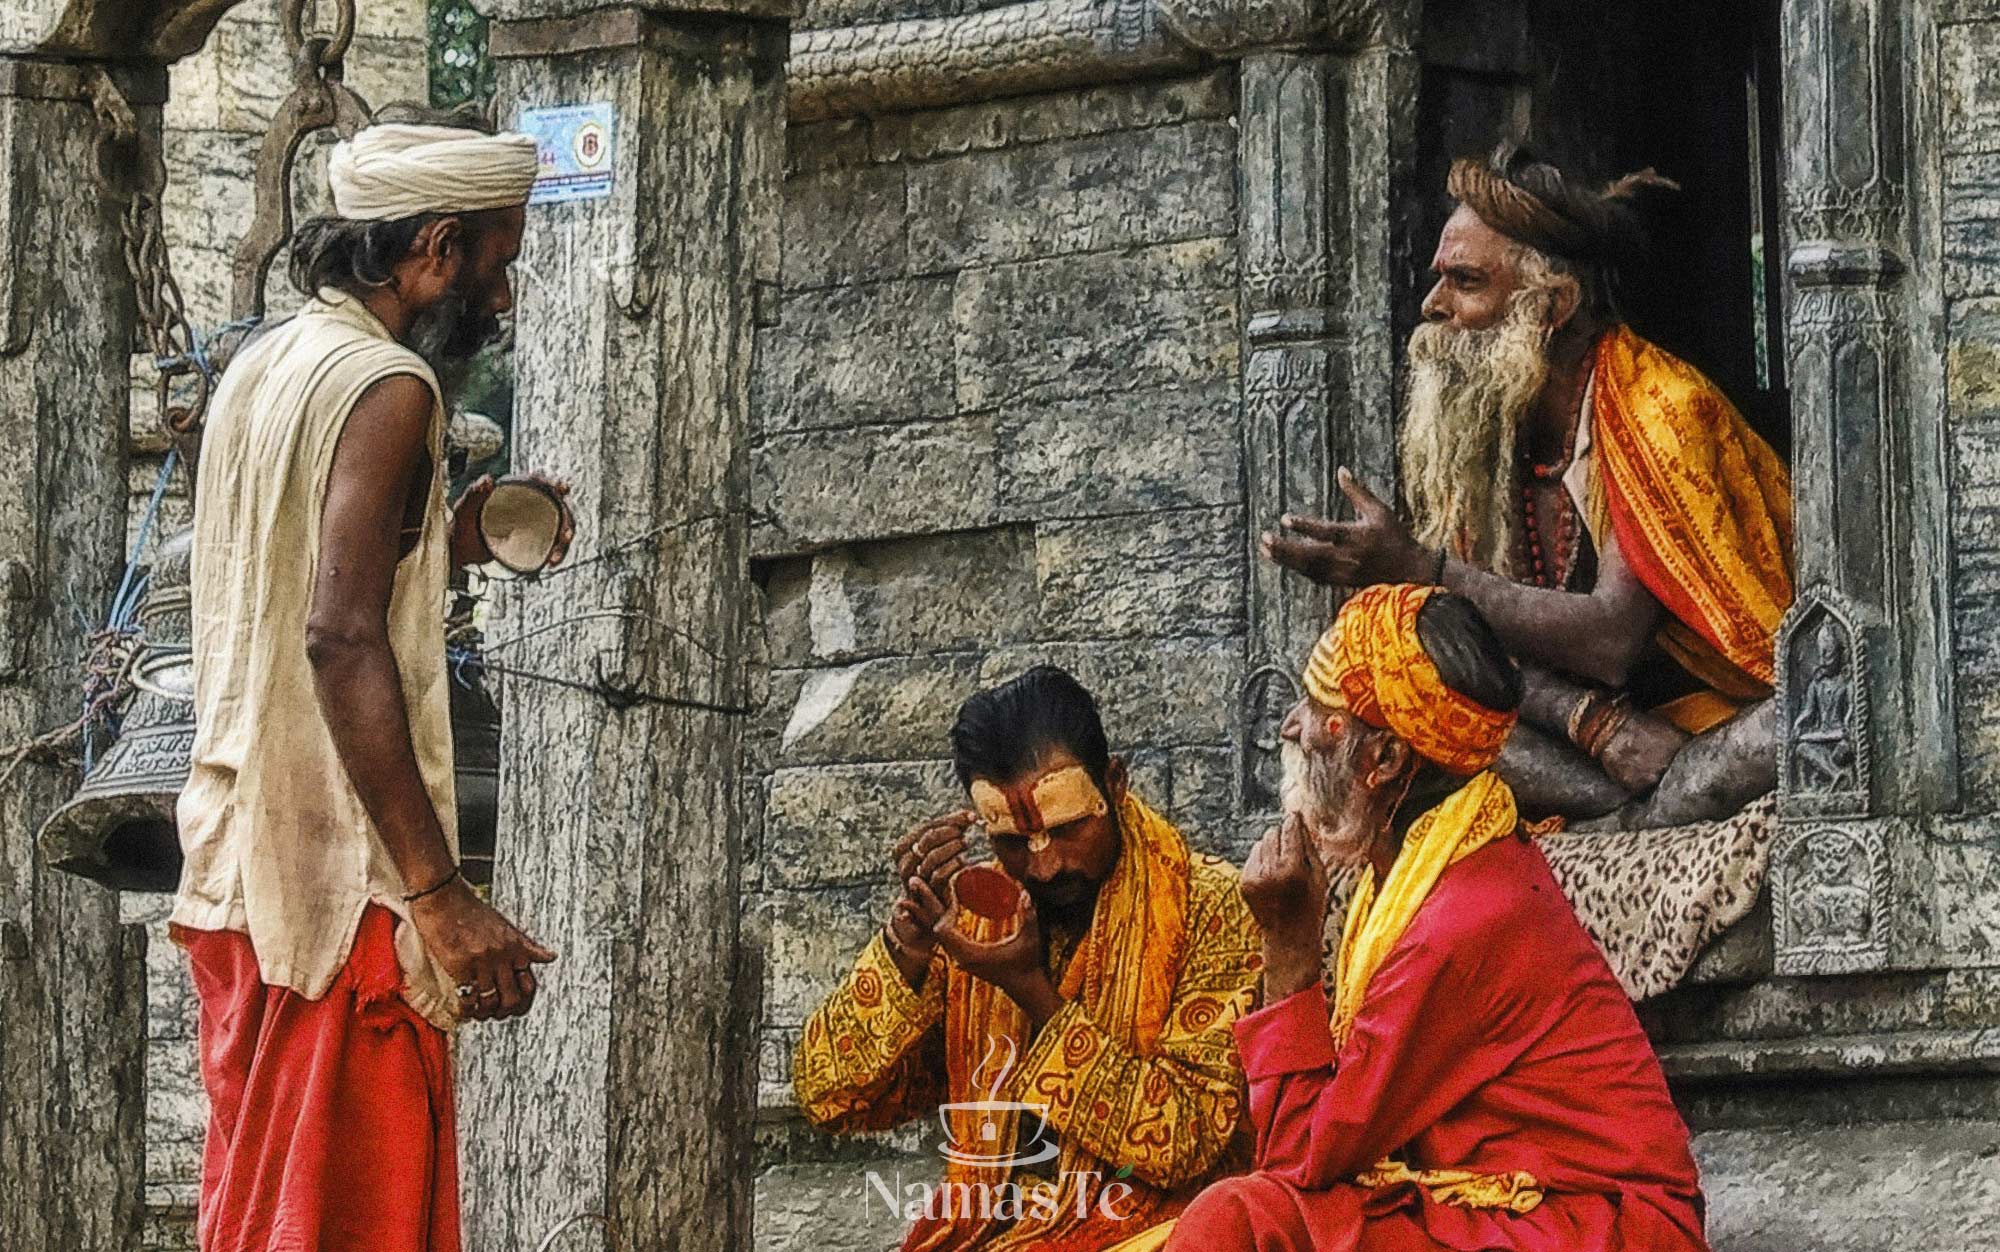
(1583, 231)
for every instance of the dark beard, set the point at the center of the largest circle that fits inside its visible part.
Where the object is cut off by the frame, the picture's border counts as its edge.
(1067, 899)
(448, 335)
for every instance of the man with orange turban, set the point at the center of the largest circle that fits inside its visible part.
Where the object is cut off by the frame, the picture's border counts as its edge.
(1479, 1080)
(1603, 504)
(1068, 1019)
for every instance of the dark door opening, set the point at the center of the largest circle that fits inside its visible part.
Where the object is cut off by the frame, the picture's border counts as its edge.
(1690, 89)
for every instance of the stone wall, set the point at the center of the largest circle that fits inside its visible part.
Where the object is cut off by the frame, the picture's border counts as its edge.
(998, 426)
(221, 99)
(1970, 103)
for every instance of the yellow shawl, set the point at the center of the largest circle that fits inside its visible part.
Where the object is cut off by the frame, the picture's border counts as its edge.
(1702, 509)
(1472, 817)
(1123, 971)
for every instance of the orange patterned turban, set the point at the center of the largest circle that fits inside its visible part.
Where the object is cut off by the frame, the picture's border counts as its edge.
(1371, 663)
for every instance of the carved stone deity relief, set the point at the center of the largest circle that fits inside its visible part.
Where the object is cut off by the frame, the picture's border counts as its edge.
(1823, 754)
(1267, 695)
(1830, 898)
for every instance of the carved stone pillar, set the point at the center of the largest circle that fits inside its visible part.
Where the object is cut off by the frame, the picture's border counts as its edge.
(628, 1094)
(72, 980)
(1292, 373)
(1324, 115)
(1864, 659)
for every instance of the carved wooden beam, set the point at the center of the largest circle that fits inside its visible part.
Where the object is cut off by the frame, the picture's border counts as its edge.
(1017, 50)
(1049, 45)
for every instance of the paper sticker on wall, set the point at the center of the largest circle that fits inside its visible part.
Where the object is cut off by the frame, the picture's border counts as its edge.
(573, 147)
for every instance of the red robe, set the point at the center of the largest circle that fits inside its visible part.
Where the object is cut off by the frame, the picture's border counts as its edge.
(331, 1126)
(1493, 1038)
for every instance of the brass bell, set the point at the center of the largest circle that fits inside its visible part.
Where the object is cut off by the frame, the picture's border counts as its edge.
(119, 827)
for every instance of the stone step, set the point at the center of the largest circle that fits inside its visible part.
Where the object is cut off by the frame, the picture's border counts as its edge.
(1884, 1186)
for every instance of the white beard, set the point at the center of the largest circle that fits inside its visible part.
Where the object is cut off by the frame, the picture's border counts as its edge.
(1468, 392)
(1294, 798)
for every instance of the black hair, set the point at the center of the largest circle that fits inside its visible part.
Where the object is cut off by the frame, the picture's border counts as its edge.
(1468, 655)
(356, 256)
(1001, 732)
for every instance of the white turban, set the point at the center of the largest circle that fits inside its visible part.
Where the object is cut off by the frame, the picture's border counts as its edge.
(394, 170)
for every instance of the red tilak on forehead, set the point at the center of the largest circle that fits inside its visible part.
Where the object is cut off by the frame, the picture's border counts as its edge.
(1021, 801)
(1023, 807)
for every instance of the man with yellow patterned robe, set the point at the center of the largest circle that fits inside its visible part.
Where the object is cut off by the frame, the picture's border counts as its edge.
(1479, 1081)
(1606, 507)
(1068, 1019)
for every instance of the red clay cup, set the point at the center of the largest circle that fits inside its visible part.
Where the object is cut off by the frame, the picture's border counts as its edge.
(987, 900)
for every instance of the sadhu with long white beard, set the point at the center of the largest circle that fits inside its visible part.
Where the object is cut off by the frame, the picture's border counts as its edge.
(1479, 1080)
(1602, 503)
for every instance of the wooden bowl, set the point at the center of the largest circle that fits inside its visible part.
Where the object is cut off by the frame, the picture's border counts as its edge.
(521, 522)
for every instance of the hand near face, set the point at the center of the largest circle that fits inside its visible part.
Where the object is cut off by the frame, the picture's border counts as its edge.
(924, 861)
(1286, 888)
(1007, 963)
(1376, 547)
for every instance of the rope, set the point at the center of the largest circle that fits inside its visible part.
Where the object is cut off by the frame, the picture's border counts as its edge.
(616, 696)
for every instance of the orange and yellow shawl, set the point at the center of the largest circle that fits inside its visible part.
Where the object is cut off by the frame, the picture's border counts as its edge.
(1138, 1072)
(1702, 510)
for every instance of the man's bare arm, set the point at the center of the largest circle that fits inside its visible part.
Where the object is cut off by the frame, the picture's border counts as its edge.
(380, 465)
(1597, 635)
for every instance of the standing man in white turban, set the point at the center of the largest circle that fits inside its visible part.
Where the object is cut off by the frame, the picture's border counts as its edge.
(333, 942)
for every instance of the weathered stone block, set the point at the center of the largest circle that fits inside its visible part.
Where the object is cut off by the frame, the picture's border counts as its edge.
(175, 1160)
(847, 356)
(877, 482)
(1972, 257)
(176, 1105)
(207, 202)
(1969, 72)
(894, 709)
(1154, 694)
(1852, 1188)
(1973, 365)
(1074, 195)
(1972, 186)
(1150, 774)
(825, 14)
(831, 1206)
(194, 93)
(1164, 449)
(1076, 325)
(1202, 801)
(814, 146)
(932, 133)
(836, 824)
(845, 224)
(408, 19)
(815, 936)
(1968, 876)
(775, 1047)
(1172, 573)
(963, 591)
(256, 76)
